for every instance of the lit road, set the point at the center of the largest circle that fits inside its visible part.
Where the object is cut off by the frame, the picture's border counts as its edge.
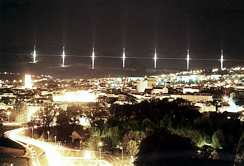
(54, 154)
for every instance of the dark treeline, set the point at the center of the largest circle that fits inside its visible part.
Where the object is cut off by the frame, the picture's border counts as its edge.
(216, 136)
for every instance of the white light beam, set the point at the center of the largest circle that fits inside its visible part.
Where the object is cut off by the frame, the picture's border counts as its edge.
(188, 60)
(222, 60)
(123, 58)
(34, 55)
(63, 57)
(155, 59)
(93, 58)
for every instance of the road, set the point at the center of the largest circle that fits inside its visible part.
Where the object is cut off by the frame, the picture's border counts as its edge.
(44, 153)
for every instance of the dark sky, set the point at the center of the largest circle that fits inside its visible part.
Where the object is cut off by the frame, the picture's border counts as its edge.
(172, 26)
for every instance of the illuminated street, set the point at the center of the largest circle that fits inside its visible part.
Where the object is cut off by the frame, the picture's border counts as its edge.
(55, 154)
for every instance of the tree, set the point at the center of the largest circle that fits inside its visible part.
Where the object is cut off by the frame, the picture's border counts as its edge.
(70, 116)
(67, 121)
(164, 148)
(218, 139)
(239, 160)
(47, 115)
(180, 117)
(132, 140)
(132, 147)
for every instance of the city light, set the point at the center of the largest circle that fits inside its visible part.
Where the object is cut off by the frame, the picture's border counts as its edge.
(77, 96)
(232, 106)
(87, 155)
(31, 110)
(125, 83)
(100, 144)
(226, 99)
(84, 121)
(28, 81)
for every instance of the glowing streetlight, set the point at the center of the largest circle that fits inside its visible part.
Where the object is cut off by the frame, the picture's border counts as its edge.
(222, 60)
(8, 114)
(123, 58)
(100, 144)
(132, 159)
(122, 151)
(63, 57)
(93, 58)
(155, 59)
(80, 144)
(34, 55)
(55, 139)
(188, 60)
(48, 132)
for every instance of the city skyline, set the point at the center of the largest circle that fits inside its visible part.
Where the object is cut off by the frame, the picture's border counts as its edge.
(121, 82)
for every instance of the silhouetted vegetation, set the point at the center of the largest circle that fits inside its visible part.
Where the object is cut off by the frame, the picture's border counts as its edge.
(164, 148)
(216, 135)
(156, 126)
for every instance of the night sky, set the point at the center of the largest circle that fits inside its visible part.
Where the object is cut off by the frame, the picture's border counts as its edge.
(172, 26)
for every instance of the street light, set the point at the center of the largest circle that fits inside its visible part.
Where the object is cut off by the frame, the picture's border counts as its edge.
(8, 113)
(32, 130)
(100, 144)
(132, 159)
(55, 139)
(122, 151)
(80, 144)
(48, 132)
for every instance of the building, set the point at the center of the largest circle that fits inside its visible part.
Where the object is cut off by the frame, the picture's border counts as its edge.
(142, 86)
(160, 91)
(28, 81)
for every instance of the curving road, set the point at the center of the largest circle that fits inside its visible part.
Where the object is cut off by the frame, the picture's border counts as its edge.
(44, 153)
